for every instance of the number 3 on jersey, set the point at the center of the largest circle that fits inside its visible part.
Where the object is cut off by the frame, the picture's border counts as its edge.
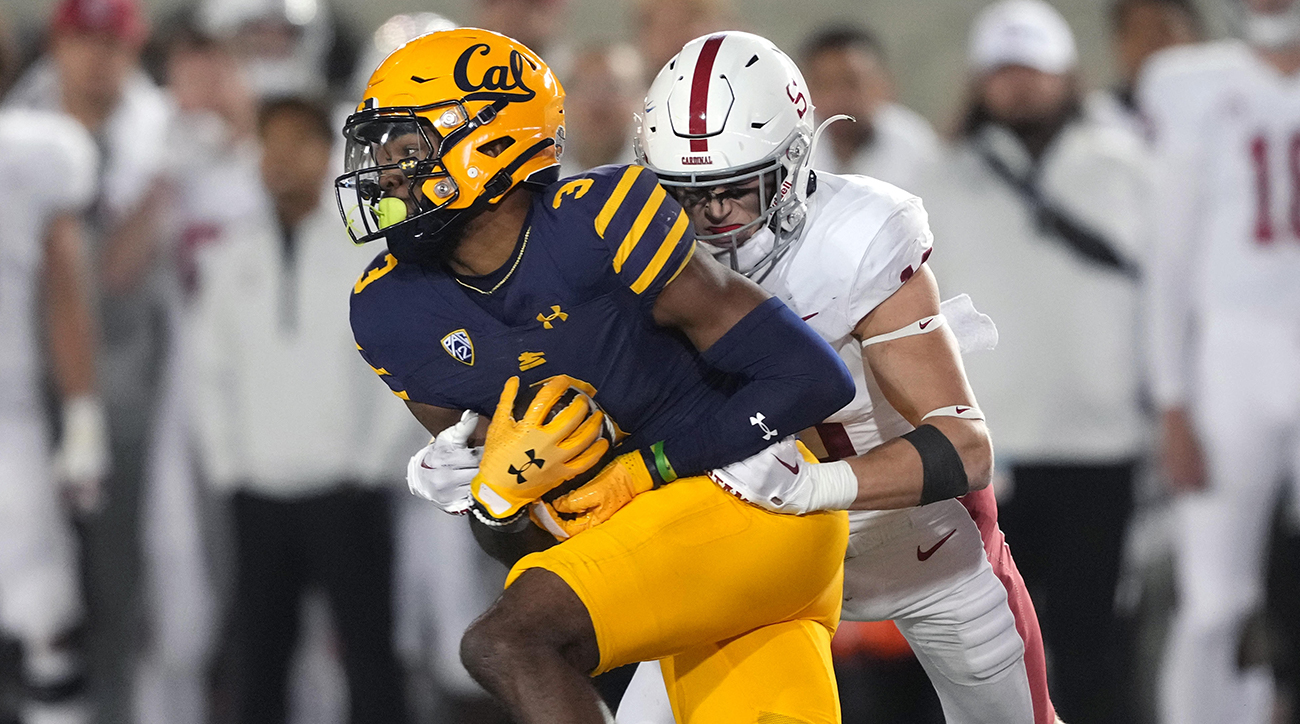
(374, 272)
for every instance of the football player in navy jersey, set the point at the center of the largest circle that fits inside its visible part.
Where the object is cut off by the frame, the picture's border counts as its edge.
(499, 277)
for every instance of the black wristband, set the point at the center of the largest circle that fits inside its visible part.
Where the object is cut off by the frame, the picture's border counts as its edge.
(944, 475)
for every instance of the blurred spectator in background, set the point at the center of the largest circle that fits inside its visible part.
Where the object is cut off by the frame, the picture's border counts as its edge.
(1225, 309)
(845, 69)
(287, 414)
(211, 183)
(47, 178)
(603, 93)
(1039, 213)
(90, 71)
(281, 45)
(1140, 28)
(662, 27)
(535, 23)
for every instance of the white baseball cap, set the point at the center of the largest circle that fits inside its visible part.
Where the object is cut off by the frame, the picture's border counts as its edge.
(1022, 32)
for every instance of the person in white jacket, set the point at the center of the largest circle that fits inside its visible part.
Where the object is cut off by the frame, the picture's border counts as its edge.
(1225, 338)
(291, 423)
(1044, 214)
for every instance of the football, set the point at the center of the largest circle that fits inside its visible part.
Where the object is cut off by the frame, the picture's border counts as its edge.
(525, 397)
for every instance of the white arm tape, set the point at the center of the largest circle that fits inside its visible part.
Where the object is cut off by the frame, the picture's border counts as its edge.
(962, 411)
(974, 331)
(920, 326)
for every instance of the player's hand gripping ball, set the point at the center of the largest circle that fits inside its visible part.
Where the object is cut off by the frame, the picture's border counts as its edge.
(624, 478)
(560, 434)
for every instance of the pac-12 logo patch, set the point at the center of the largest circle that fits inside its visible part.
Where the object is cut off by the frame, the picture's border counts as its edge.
(459, 346)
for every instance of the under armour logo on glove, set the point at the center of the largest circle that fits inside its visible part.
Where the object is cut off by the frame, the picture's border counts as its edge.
(758, 419)
(532, 460)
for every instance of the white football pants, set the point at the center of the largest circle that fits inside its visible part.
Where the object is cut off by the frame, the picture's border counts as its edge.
(40, 597)
(1247, 414)
(926, 570)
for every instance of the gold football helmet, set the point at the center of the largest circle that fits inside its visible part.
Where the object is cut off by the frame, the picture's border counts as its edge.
(450, 122)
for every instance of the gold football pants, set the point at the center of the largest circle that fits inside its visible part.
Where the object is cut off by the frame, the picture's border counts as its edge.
(738, 603)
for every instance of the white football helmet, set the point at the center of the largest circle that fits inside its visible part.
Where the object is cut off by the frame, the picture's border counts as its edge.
(1272, 30)
(728, 108)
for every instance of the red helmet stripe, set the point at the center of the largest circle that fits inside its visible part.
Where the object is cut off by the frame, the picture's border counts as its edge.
(699, 122)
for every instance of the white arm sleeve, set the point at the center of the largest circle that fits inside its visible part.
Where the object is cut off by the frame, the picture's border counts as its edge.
(1176, 198)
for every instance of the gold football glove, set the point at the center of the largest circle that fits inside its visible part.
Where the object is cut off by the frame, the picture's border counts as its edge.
(523, 459)
(614, 486)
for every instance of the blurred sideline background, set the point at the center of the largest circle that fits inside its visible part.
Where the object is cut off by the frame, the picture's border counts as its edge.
(924, 39)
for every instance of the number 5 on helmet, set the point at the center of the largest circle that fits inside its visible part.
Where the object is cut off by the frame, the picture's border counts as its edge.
(526, 457)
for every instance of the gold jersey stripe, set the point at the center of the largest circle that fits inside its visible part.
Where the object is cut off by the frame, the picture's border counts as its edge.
(616, 199)
(656, 264)
(402, 394)
(685, 261)
(639, 226)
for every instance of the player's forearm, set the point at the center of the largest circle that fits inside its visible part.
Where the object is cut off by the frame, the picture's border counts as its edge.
(794, 380)
(67, 308)
(892, 475)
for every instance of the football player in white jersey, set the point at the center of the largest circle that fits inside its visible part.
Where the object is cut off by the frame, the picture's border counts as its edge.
(1225, 336)
(728, 129)
(47, 178)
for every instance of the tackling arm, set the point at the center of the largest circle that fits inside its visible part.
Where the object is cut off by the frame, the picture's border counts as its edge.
(917, 374)
(434, 419)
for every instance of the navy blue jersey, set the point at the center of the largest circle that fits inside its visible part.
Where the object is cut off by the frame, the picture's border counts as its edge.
(596, 252)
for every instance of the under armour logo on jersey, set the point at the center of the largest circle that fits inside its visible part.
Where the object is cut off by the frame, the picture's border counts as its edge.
(757, 419)
(532, 460)
(555, 314)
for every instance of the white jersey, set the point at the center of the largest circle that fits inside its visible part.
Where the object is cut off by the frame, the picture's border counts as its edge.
(904, 144)
(1226, 130)
(863, 239)
(47, 167)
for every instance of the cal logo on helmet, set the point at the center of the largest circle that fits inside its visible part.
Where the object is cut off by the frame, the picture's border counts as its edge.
(499, 80)
(459, 346)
